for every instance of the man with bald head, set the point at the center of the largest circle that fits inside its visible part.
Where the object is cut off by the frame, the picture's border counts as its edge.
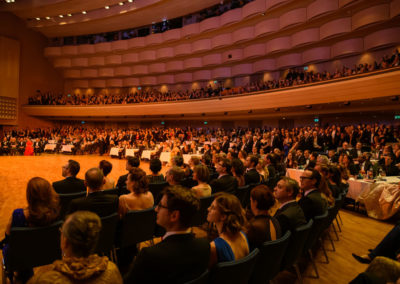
(96, 200)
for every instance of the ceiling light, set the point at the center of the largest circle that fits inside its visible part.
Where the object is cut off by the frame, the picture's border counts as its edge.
(84, 12)
(69, 15)
(107, 7)
(121, 3)
(47, 18)
(38, 19)
(61, 16)
(130, 1)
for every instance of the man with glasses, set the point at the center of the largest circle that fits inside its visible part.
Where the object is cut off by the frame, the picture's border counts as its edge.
(312, 202)
(70, 184)
(225, 181)
(179, 257)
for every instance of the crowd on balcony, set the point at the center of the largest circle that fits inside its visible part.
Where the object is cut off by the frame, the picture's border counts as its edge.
(151, 95)
(160, 27)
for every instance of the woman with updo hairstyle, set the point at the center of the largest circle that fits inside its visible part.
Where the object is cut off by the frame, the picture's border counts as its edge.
(106, 167)
(79, 236)
(155, 168)
(238, 171)
(201, 174)
(228, 216)
(42, 210)
(140, 197)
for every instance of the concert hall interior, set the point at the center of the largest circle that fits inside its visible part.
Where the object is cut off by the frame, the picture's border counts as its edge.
(125, 106)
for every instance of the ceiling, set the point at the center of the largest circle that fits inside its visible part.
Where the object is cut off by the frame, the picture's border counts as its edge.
(121, 14)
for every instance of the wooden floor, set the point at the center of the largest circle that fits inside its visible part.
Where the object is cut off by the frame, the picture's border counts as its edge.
(359, 232)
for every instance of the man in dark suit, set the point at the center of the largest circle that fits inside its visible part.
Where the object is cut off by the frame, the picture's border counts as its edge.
(251, 176)
(356, 152)
(70, 184)
(290, 215)
(179, 257)
(225, 181)
(96, 201)
(131, 162)
(390, 167)
(225, 145)
(312, 202)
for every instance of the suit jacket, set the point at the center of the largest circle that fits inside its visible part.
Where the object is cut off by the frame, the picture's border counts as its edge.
(225, 147)
(177, 259)
(121, 183)
(69, 185)
(313, 204)
(101, 203)
(290, 216)
(251, 176)
(226, 183)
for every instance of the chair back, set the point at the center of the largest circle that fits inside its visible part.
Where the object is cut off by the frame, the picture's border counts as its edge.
(241, 193)
(136, 227)
(235, 272)
(296, 245)
(201, 217)
(31, 247)
(65, 200)
(107, 234)
(269, 261)
(156, 189)
(114, 191)
(202, 279)
(316, 230)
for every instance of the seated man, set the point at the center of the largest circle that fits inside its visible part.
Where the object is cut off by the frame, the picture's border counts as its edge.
(290, 215)
(179, 257)
(174, 175)
(225, 181)
(312, 202)
(70, 184)
(96, 201)
(131, 162)
(251, 176)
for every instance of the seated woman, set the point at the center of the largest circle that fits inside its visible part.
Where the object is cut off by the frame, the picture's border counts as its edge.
(238, 171)
(334, 180)
(140, 197)
(155, 168)
(42, 210)
(228, 216)
(106, 167)
(202, 176)
(79, 236)
(262, 227)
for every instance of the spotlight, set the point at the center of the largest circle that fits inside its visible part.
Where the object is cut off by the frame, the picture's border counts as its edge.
(38, 19)
(61, 16)
(69, 15)
(84, 12)
(121, 3)
(47, 18)
(107, 7)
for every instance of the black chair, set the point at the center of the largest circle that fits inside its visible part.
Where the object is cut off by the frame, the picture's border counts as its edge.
(241, 193)
(246, 200)
(201, 217)
(114, 191)
(202, 279)
(65, 200)
(315, 233)
(295, 248)
(32, 247)
(156, 189)
(235, 272)
(105, 246)
(136, 227)
(269, 261)
(331, 216)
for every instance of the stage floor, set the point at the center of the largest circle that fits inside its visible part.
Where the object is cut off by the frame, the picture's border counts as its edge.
(359, 232)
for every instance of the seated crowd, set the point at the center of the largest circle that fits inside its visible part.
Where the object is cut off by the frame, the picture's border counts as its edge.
(151, 95)
(275, 204)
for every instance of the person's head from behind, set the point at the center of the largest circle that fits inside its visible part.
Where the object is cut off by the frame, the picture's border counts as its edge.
(286, 189)
(71, 169)
(261, 200)
(94, 179)
(80, 234)
(137, 181)
(177, 207)
(155, 165)
(175, 175)
(237, 167)
(42, 201)
(201, 173)
(132, 162)
(105, 167)
(227, 213)
(177, 161)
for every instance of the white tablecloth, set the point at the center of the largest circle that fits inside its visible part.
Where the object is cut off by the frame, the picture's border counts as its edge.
(50, 147)
(146, 154)
(130, 152)
(186, 157)
(165, 156)
(114, 151)
(67, 148)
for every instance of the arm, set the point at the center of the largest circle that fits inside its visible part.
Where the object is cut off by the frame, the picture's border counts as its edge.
(213, 255)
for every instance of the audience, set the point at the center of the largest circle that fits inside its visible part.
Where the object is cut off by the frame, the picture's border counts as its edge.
(238, 171)
(79, 236)
(140, 197)
(42, 210)
(225, 181)
(251, 176)
(96, 201)
(228, 216)
(131, 162)
(155, 168)
(202, 176)
(179, 257)
(106, 167)
(71, 184)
